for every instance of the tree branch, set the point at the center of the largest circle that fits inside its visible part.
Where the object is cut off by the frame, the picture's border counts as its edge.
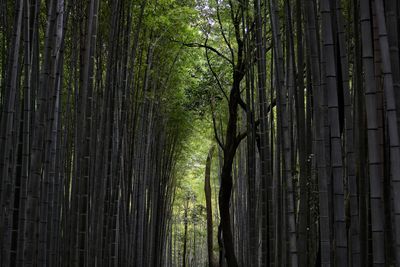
(215, 127)
(223, 33)
(242, 104)
(207, 47)
(243, 135)
(215, 74)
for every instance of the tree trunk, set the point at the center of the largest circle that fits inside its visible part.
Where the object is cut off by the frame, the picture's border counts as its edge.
(318, 115)
(340, 234)
(207, 191)
(391, 112)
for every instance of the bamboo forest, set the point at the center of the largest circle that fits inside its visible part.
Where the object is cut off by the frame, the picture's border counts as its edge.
(218, 133)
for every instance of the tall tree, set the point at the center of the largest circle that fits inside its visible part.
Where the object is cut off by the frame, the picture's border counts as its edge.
(207, 191)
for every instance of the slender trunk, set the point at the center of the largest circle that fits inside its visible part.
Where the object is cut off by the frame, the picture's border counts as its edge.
(207, 190)
(8, 118)
(264, 136)
(391, 112)
(375, 161)
(335, 137)
(38, 140)
(343, 71)
(185, 234)
(26, 137)
(283, 116)
(319, 143)
(301, 136)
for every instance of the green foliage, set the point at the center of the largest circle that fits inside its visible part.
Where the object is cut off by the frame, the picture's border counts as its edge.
(170, 17)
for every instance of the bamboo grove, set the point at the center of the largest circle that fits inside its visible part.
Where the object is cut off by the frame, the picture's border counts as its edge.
(98, 100)
(88, 139)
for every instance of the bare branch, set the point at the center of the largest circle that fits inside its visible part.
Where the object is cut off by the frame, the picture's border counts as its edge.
(223, 33)
(215, 75)
(243, 135)
(242, 104)
(207, 47)
(215, 127)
